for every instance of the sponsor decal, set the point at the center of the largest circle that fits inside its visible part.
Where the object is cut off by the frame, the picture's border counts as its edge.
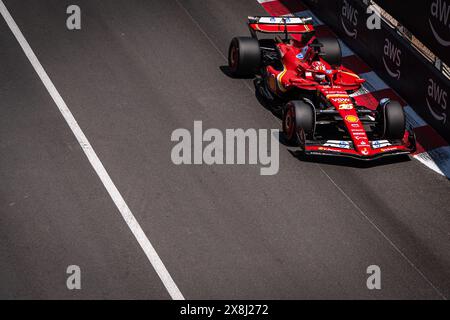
(304, 50)
(349, 17)
(345, 106)
(341, 100)
(440, 20)
(438, 98)
(302, 53)
(327, 149)
(392, 59)
(336, 95)
(343, 144)
(364, 151)
(351, 118)
(337, 144)
(388, 149)
(280, 20)
(380, 144)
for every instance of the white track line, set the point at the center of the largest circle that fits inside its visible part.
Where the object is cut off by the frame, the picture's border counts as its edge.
(125, 211)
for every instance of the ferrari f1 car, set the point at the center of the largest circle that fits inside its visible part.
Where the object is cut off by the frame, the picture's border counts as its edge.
(319, 113)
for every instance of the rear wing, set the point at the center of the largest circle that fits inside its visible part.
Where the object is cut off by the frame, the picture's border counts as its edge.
(280, 24)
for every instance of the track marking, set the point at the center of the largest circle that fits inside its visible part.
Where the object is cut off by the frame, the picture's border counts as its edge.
(393, 245)
(114, 193)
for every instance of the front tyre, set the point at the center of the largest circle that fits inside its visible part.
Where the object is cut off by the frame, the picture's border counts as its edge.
(391, 120)
(244, 56)
(298, 122)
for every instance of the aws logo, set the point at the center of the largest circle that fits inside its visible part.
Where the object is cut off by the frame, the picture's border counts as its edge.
(440, 19)
(392, 59)
(438, 98)
(349, 19)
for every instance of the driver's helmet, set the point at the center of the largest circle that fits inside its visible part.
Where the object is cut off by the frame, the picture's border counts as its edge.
(319, 67)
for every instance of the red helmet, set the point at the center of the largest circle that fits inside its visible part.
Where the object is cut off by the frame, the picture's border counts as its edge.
(319, 67)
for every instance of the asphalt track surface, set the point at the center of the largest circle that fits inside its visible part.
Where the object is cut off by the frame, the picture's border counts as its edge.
(138, 70)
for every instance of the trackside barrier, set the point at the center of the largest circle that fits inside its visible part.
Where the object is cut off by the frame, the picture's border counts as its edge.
(428, 20)
(423, 86)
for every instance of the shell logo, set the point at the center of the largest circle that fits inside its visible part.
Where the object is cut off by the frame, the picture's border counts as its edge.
(351, 118)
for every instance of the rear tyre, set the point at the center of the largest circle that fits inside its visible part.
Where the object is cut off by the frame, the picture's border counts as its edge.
(391, 120)
(331, 51)
(244, 56)
(298, 122)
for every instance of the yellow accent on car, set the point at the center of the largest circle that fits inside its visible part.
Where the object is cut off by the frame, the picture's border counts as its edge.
(351, 74)
(280, 77)
(336, 95)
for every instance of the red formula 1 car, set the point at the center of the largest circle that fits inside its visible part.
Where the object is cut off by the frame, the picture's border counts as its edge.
(305, 74)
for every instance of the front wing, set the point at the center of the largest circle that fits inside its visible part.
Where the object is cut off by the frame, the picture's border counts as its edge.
(323, 148)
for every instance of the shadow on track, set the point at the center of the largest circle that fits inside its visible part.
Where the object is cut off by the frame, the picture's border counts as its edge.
(349, 162)
(273, 106)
